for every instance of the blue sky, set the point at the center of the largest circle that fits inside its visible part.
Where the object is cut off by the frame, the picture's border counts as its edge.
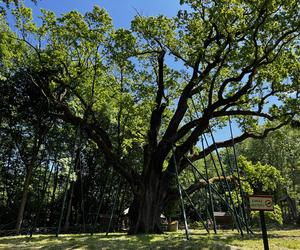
(122, 11)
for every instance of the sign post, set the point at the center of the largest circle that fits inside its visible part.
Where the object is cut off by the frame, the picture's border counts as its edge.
(262, 203)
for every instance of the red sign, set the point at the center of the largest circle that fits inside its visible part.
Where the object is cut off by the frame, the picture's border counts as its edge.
(261, 202)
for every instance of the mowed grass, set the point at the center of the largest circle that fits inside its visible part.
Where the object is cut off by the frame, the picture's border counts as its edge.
(199, 239)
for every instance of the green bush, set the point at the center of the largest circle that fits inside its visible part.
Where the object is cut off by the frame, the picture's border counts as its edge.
(271, 216)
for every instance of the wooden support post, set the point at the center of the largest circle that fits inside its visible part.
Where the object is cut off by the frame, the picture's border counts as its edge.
(264, 230)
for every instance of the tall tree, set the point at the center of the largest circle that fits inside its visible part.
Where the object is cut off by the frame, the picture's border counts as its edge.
(281, 149)
(27, 126)
(161, 85)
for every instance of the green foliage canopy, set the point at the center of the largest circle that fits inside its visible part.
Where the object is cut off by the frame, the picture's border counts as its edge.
(160, 85)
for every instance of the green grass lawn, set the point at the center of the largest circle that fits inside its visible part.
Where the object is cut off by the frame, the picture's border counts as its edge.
(278, 239)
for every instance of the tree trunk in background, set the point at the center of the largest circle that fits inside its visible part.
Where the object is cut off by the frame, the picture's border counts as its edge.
(30, 163)
(51, 214)
(24, 198)
(67, 222)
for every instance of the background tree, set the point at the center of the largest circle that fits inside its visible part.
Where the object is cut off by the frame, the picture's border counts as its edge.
(280, 149)
(261, 178)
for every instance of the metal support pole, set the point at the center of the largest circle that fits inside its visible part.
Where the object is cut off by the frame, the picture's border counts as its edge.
(227, 185)
(181, 199)
(239, 178)
(212, 188)
(222, 184)
(41, 199)
(67, 181)
(100, 204)
(211, 204)
(233, 212)
(64, 202)
(115, 198)
(198, 214)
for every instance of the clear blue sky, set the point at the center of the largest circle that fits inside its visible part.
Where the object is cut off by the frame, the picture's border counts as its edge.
(122, 11)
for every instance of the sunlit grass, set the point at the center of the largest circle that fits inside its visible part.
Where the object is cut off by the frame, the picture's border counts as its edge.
(278, 239)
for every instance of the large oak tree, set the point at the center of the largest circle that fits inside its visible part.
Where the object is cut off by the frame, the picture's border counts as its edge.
(159, 86)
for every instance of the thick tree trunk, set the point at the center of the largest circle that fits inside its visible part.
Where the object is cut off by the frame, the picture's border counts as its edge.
(145, 210)
(144, 215)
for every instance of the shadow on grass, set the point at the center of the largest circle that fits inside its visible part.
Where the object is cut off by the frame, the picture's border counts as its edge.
(288, 239)
(113, 241)
(199, 240)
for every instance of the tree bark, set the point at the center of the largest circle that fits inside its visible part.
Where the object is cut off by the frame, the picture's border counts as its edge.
(24, 199)
(144, 215)
(52, 211)
(30, 161)
(67, 222)
(145, 210)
